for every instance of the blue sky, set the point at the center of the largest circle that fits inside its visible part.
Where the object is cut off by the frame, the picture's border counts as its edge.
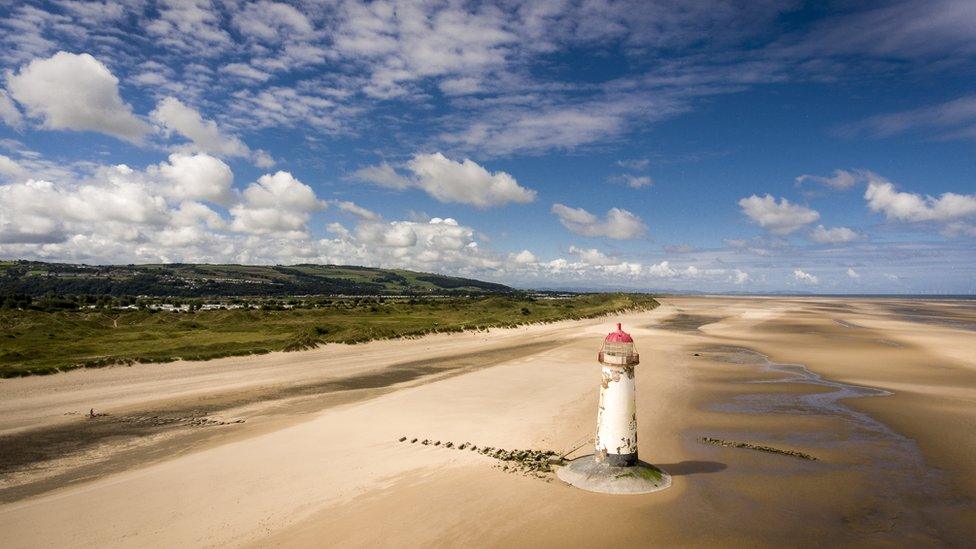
(705, 146)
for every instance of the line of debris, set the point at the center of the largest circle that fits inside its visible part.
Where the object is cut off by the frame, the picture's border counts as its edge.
(750, 446)
(537, 463)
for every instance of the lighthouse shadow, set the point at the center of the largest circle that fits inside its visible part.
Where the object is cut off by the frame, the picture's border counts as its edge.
(685, 468)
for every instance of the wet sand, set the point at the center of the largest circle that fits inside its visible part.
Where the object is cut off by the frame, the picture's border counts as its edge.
(885, 402)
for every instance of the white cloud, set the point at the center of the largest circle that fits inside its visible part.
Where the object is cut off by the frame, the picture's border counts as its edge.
(777, 217)
(75, 92)
(634, 164)
(262, 159)
(592, 256)
(276, 203)
(534, 129)
(10, 169)
(175, 117)
(383, 175)
(851, 273)
(397, 234)
(117, 202)
(271, 21)
(466, 182)
(190, 26)
(882, 197)
(463, 182)
(197, 177)
(125, 215)
(404, 43)
(246, 72)
(661, 270)
(805, 277)
(524, 257)
(959, 228)
(9, 113)
(840, 179)
(618, 223)
(836, 235)
(637, 181)
(955, 118)
(426, 243)
(356, 210)
(739, 277)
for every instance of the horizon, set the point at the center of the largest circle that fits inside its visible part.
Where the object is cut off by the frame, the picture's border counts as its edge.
(745, 149)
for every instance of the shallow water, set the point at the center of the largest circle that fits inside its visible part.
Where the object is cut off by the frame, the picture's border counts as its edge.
(683, 322)
(905, 490)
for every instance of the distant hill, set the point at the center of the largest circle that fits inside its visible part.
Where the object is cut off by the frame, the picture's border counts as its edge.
(37, 278)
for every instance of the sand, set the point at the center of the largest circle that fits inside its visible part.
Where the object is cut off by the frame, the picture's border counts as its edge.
(881, 392)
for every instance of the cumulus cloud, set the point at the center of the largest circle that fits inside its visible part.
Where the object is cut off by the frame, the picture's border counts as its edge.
(618, 223)
(197, 177)
(119, 200)
(778, 217)
(175, 117)
(466, 182)
(836, 235)
(438, 241)
(805, 277)
(739, 277)
(840, 179)
(276, 203)
(463, 182)
(908, 207)
(851, 273)
(75, 92)
(592, 256)
(524, 257)
(123, 215)
(661, 270)
(397, 234)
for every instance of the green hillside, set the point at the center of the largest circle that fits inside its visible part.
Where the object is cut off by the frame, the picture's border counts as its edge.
(34, 278)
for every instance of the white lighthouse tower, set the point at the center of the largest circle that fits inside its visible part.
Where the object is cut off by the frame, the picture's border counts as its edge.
(616, 418)
(614, 467)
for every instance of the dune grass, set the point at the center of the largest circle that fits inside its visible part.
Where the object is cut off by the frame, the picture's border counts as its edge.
(36, 342)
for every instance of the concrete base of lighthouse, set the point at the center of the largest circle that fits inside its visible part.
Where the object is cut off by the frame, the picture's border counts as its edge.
(589, 474)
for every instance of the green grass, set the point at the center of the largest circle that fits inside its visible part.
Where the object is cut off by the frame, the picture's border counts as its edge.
(35, 342)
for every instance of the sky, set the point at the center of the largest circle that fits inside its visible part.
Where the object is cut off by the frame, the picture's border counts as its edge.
(711, 146)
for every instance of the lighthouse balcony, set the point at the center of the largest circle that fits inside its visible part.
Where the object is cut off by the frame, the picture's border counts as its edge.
(609, 357)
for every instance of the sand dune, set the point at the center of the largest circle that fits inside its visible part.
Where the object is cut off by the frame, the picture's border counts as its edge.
(884, 400)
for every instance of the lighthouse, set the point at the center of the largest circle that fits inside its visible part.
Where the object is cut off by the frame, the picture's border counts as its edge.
(614, 468)
(616, 418)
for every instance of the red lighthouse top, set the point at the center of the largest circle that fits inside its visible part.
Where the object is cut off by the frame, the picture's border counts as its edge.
(619, 336)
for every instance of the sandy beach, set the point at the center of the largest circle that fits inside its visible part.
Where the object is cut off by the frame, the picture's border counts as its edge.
(302, 449)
